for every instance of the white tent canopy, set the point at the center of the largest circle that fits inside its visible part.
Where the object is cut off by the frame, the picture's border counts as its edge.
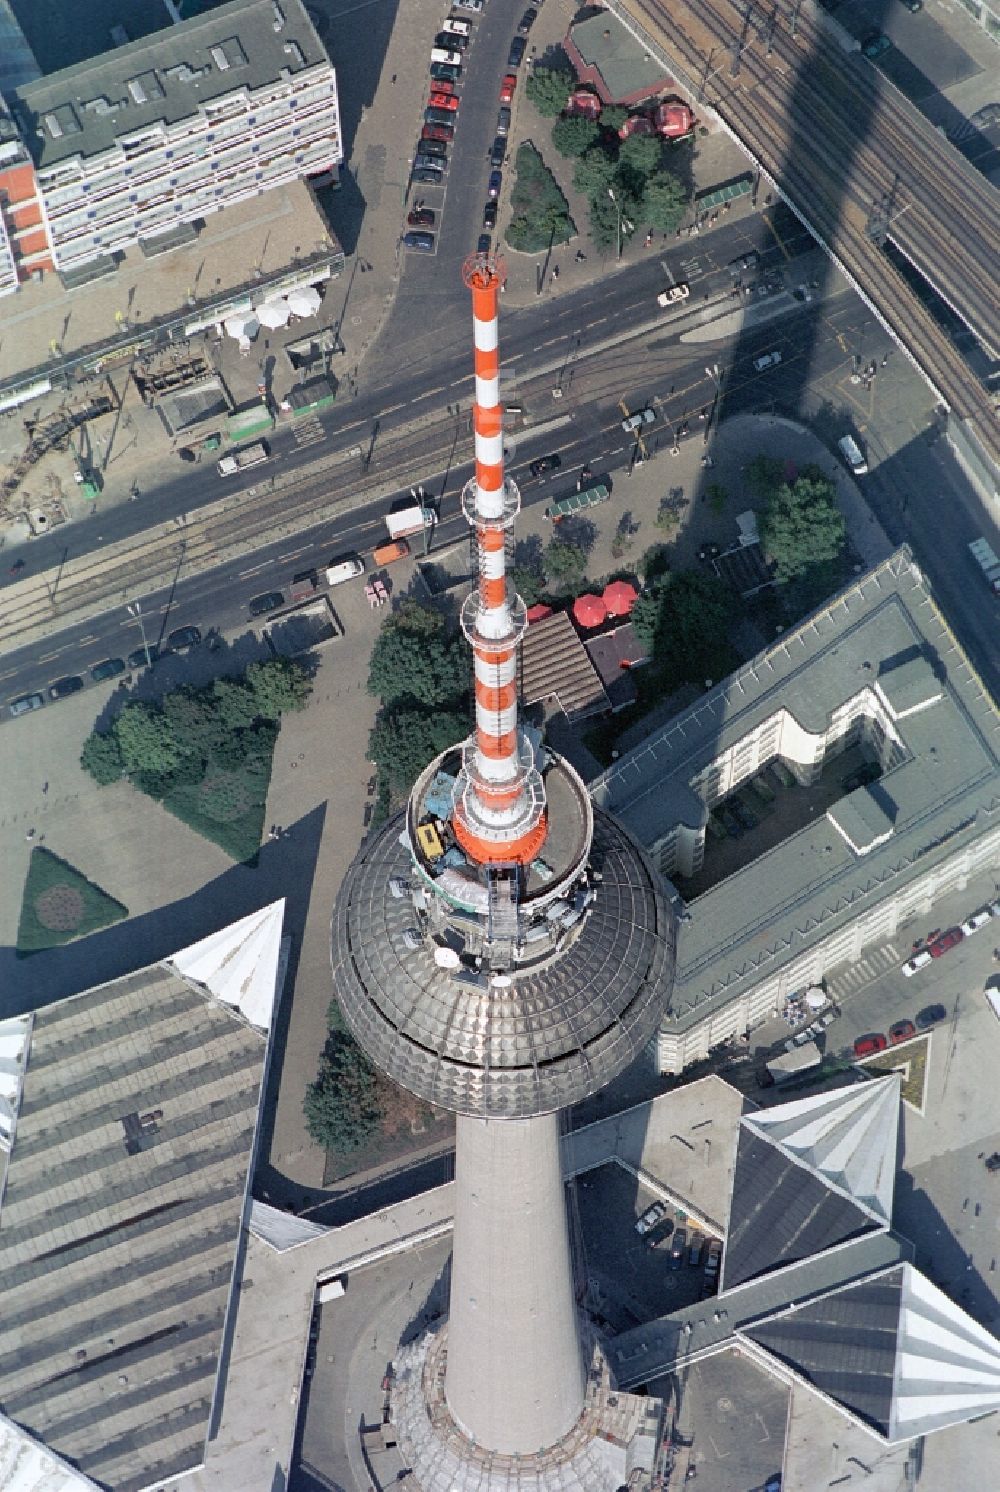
(273, 313)
(243, 327)
(304, 302)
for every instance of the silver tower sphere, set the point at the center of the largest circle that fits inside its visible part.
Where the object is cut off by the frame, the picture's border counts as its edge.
(503, 992)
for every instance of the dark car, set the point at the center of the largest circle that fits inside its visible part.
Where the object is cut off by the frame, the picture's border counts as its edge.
(874, 44)
(63, 688)
(25, 704)
(419, 239)
(862, 776)
(695, 1250)
(992, 1162)
(503, 121)
(424, 161)
(940, 945)
(428, 175)
(421, 217)
(269, 601)
(678, 1246)
(867, 1046)
(109, 669)
(183, 638)
(914, 5)
(445, 72)
(901, 1031)
(451, 41)
(143, 656)
(516, 53)
(526, 22)
(434, 114)
(436, 148)
(745, 261)
(445, 132)
(494, 184)
(484, 243)
(490, 215)
(929, 1016)
(539, 467)
(499, 151)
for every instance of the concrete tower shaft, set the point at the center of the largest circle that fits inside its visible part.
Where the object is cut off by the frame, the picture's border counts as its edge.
(500, 802)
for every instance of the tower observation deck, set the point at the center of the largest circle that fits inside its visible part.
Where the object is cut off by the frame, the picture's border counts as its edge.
(503, 949)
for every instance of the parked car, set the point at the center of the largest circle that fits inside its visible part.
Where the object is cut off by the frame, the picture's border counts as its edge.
(867, 1046)
(992, 1162)
(874, 44)
(420, 239)
(695, 1250)
(503, 122)
(919, 961)
(483, 243)
(454, 26)
(109, 668)
(473, 5)
(446, 56)
(450, 39)
(767, 360)
(446, 72)
(183, 638)
(636, 421)
(975, 922)
(436, 148)
(713, 1257)
(507, 88)
(63, 688)
(427, 175)
(746, 261)
(424, 162)
(678, 1247)
(143, 657)
(443, 96)
(269, 601)
(544, 464)
(433, 115)
(445, 132)
(25, 704)
(526, 22)
(494, 184)
(940, 945)
(498, 151)
(490, 215)
(901, 1031)
(421, 217)
(929, 1016)
(515, 55)
(648, 1220)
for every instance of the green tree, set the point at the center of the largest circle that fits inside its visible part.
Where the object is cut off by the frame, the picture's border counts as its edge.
(549, 89)
(194, 720)
(236, 704)
(764, 475)
(683, 621)
(593, 174)
(403, 741)
(342, 1107)
(574, 135)
(645, 616)
(540, 212)
(102, 758)
(528, 582)
(664, 201)
(565, 563)
(613, 116)
(803, 533)
(145, 739)
(641, 154)
(279, 686)
(414, 662)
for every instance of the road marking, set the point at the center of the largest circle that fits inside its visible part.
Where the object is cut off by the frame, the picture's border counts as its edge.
(292, 554)
(776, 235)
(47, 657)
(9, 674)
(392, 409)
(254, 570)
(90, 637)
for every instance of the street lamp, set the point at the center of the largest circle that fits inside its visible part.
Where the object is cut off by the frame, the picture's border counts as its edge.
(618, 210)
(134, 609)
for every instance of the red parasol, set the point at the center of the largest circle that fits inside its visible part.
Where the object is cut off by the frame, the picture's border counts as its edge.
(619, 597)
(589, 611)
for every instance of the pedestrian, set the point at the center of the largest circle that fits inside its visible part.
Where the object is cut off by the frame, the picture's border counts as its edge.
(45, 787)
(555, 271)
(30, 834)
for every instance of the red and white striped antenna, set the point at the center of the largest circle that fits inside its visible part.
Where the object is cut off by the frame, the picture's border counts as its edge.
(499, 816)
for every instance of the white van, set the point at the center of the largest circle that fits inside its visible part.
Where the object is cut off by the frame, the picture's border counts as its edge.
(457, 27)
(852, 454)
(439, 54)
(343, 569)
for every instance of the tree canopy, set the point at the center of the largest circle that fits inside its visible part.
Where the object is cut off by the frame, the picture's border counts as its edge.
(684, 620)
(549, 89)
(540, 216)
(342, 1106)
(403, 741)
(663, 202)
(803, 534)
(565, 562)
(574, 135)
(414, 661)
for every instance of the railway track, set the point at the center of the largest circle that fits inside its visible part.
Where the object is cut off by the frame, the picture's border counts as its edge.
(792, 110)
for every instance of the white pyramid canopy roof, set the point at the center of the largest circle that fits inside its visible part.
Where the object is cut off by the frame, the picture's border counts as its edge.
(13, 1050)
(28, 1466)
(947, 1365)
(848, 1137)
(239, 964)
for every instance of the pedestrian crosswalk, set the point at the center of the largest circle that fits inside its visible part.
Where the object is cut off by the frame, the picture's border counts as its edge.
(873, 963)
(308, 430)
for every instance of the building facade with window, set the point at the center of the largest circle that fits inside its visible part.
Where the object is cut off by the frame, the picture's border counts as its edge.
(136, 145)
(876, 671)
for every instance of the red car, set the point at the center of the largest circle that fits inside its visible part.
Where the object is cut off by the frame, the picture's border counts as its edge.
(507, 88)
(443, 101)
(421, 217)
(867, 1046)
(901, 1031)
(443, 85)
(437, 132)
(944, 941)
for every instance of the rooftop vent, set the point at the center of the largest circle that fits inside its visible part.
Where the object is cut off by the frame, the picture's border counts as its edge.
(296, 53)
(220, 59)
(98, 106)
(278, 14)
(137, 91)
(180, 73)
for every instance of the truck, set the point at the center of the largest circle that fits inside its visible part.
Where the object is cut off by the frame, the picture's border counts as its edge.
(792, 1064)
(852, 454)
(986, 559)
(242, 460)
(412, 519)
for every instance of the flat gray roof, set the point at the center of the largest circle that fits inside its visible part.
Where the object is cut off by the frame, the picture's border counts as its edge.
(117, 1259)
(944, 792)
(164, 77)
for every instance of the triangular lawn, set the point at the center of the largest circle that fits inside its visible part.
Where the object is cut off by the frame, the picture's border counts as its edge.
(60, 904)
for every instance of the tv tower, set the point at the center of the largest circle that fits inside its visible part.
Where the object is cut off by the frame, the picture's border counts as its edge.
(503, 949)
